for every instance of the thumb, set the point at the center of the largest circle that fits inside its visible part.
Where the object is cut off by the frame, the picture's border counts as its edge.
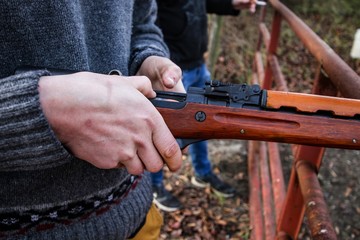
(171, 75)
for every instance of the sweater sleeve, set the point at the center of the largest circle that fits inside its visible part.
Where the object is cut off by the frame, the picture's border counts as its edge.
(221, 7)
(26, 139)
(147, 39)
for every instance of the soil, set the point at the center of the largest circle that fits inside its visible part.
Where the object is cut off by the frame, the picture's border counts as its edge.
(205, 215)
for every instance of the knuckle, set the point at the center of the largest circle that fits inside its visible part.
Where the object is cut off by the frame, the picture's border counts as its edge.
(148, 122)
(105, 164)
(155, 166)
(126, 156)
(146, 81)
(135, 171)
(171, 150)
(111, 162)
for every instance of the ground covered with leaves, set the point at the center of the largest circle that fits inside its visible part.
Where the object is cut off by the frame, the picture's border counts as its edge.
(207, 216)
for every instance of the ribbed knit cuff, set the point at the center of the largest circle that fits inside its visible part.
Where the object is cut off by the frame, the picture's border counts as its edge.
(26, 139)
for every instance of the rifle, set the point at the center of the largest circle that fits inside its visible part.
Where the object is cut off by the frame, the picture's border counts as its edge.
(240, 111)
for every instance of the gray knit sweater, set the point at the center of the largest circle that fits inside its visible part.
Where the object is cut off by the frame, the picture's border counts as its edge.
(39, 178)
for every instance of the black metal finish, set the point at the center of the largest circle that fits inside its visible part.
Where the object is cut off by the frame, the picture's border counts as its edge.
(215, 93)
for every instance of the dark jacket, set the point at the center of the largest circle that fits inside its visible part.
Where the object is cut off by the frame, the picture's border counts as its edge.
(184, 24)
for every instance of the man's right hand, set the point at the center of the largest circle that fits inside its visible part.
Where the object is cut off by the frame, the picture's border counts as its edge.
(108, 121)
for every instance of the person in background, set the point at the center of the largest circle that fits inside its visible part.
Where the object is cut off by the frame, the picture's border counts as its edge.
(76, 149)
(184, 25)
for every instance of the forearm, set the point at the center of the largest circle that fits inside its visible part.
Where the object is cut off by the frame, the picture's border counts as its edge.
(147, 39)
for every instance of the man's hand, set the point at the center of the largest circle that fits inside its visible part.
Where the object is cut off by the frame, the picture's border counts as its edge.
(163, 73)
(108, 121)
(244, 4)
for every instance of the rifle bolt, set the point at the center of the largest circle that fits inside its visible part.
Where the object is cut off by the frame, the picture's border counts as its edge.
(354, 140)
(242, 131)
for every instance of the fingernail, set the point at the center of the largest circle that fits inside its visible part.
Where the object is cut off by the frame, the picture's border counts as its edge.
(171, 81)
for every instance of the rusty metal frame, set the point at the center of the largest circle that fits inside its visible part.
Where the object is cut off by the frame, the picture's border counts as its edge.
(267, 188)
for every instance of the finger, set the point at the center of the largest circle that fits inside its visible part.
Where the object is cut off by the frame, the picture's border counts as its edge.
(142, 84)
(120, 165)
(167, 146)
(253, 8)
(179, 87)
(151, 158)
(171, 76)
(133, 165)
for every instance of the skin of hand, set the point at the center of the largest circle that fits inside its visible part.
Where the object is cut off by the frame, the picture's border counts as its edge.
(108, 121)
(244, 4)
(163, 73)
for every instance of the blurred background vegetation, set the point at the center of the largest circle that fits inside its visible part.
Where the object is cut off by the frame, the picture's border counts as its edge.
(231, 52)
(232, 49)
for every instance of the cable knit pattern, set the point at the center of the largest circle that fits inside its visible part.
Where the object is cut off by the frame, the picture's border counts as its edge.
(36, 171)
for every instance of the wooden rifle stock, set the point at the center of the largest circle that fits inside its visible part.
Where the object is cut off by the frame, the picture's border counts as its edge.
(249, 124)
(306, 119)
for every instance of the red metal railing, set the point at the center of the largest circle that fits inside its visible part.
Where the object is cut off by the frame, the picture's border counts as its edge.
(277, 212)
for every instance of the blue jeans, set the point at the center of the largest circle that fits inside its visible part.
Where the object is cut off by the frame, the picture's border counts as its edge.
(198, 151)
